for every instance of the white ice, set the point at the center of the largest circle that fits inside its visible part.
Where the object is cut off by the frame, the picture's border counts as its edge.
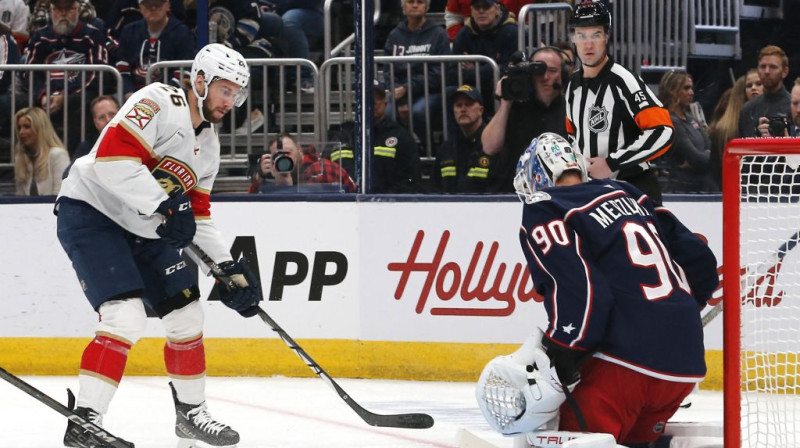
(276, 412)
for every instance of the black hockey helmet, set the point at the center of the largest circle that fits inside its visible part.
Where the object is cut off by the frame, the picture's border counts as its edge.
(591, 13)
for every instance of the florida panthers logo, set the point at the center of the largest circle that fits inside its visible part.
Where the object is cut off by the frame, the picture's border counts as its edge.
(598, 119)
(174, 176)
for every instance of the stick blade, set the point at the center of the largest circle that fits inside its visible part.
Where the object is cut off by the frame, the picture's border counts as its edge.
(410, 421)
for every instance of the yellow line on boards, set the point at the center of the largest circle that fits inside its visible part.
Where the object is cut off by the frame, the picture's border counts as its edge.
(426, 361)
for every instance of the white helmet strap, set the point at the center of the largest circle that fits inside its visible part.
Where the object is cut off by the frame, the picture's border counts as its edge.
(201, 99)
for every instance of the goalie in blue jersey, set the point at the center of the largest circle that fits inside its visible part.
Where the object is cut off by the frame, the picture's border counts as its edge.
(623, 283)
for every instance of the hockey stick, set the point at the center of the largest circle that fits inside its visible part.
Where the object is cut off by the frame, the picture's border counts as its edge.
(98, 437)
(770, 266)
(416, 420)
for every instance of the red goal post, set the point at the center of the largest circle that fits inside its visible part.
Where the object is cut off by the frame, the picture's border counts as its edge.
(761, 274)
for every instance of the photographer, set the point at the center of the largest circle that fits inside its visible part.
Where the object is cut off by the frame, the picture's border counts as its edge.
(531, 104)
(286, 168)
(754, 119)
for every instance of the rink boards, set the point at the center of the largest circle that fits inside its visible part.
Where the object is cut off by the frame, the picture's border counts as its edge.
(408, 290)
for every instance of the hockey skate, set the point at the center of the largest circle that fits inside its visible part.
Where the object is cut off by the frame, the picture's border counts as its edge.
(195, 427)
(76, 436)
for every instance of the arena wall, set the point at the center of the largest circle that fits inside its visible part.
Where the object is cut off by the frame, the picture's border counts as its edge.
(392, 289)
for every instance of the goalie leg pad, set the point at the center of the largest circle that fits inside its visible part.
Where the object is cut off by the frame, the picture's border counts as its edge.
(516, 398)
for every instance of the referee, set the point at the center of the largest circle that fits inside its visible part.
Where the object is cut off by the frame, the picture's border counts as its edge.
(612, 116)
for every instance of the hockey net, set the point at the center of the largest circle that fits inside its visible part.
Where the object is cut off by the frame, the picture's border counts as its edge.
(761, 216)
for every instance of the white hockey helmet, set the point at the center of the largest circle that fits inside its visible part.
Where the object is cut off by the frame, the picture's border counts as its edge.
(217, 61)
(546, 158)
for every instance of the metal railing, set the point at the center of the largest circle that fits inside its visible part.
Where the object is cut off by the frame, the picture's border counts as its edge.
(328, 49)
(651, 36)
(286, 110)
(24, 86)
(717, 16)
(337, 96)
(545, 23)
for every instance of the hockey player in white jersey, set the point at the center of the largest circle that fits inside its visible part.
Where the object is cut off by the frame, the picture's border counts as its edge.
(124, 212)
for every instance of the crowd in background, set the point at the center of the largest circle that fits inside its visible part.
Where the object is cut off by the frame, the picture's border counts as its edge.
(481, 121)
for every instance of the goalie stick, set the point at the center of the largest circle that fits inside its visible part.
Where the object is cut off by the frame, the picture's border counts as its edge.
(414, 420)
(98, 437)
(769, 267)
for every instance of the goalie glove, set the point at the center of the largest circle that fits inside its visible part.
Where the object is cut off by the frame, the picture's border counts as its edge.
(520, 392)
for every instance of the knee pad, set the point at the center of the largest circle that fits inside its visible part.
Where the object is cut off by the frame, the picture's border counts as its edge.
(123, 319)
(184, 323)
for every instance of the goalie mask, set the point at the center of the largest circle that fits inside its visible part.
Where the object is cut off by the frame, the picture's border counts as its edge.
(216, 62)
(543, 162)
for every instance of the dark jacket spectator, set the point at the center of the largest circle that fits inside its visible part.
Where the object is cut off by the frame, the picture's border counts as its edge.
(428, 39)
(138, 50)
(124, 12)
(461, 165)
(492, 32)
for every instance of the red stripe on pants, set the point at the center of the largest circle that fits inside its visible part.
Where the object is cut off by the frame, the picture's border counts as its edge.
(106, 356)
(185, 358)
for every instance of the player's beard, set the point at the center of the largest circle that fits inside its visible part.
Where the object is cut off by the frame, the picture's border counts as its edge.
(210, 116)
(64, 27)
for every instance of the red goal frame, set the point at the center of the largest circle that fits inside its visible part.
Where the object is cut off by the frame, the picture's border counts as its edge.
(731, 193)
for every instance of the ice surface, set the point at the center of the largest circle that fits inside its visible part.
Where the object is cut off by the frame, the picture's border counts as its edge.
(275, 412)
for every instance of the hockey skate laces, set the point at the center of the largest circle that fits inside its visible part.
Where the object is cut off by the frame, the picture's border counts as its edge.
(204, 421)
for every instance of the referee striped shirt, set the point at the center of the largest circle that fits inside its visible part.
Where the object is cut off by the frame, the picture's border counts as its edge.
(616, 116)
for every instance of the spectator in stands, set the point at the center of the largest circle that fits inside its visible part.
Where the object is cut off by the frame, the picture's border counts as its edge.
(9, 54)
(489, 31)
(157, 37)
(688, 160)
(517, 122)
(753, 86)
(457, 10)
(416, 36)
(86, 45)
(103, 109)
(773, 67)
(309, 171)
(303, 28)
(461, 165)
(124, 12)
(40, 17)
(39, 155)
(395, 153)
(724, 124)
(14, 17)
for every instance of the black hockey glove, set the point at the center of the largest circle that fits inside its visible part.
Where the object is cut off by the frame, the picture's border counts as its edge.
(179, 226)
(246, 292)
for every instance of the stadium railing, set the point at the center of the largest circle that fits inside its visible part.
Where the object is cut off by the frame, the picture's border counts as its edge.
(544, 23)
(336, 83)
(21, 94)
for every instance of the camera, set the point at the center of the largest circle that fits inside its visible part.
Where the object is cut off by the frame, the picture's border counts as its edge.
(518, 84)
(778, 124)
(282, 161)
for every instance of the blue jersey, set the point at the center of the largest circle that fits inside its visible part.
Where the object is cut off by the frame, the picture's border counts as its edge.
(621, 279)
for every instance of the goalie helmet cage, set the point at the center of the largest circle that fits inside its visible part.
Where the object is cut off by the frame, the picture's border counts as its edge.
(761, 342)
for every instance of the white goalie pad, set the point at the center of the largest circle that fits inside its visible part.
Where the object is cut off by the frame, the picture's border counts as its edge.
(520, 392)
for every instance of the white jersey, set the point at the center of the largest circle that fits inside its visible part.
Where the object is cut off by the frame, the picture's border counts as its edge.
(15, 14)
(150, 149)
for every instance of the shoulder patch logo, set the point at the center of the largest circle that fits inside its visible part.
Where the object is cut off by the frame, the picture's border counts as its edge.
(391, 142)
(142, 113)
(598, 119)
(174, 175)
